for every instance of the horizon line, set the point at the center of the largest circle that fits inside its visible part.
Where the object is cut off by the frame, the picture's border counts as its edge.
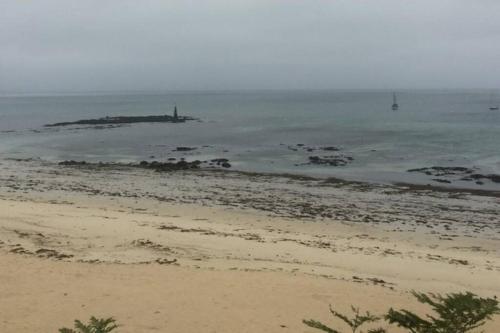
(68, 93)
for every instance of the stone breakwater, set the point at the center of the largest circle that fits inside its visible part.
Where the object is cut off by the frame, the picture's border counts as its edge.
(125, 120)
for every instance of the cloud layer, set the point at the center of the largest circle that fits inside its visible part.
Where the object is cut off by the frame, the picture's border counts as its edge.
(95, 45)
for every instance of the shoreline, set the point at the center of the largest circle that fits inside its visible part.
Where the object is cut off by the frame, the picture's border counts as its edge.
(195, 166)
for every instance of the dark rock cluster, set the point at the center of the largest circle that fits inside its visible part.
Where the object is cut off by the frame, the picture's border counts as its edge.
(185, 148)
(72, 162)
(326, 160)
(438, 171)
(171, 165)
(331, 160)
(223, 162)
(456, 173)
(301, 146)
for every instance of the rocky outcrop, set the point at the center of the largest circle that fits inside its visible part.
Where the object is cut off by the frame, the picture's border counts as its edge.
(456, 173)
(223, 162)
(301, 146)
(72, 162)
(171, 165)
(185, 148)
(439, 171)
(331, 160)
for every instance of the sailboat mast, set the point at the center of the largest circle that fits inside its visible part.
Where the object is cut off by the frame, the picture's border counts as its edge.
(395, 105)
(493, 104)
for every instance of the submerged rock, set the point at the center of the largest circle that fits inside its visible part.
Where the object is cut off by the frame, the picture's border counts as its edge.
(443, 171)
(332, 148)
(465, 174)
(332, 160)
(439, 180)
(311, 148)
(219, 161)
(72, 162)
(184, 148)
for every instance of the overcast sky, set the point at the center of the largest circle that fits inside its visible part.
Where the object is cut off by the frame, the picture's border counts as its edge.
(112, 45)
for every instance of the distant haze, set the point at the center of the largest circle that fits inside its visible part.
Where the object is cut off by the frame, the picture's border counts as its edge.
(116, 45)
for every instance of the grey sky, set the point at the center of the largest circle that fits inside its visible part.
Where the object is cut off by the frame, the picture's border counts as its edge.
(92, 45)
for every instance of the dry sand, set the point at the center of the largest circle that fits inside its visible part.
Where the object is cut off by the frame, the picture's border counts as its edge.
(41, 296)
(203, 252)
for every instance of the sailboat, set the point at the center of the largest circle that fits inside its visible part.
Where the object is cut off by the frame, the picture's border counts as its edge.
(493, 107)
(395, 105)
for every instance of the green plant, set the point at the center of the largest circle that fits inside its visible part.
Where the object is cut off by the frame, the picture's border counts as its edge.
(356, 322)
(94, 326)
(456, 313)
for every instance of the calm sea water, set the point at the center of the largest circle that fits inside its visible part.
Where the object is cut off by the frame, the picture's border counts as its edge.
(255, 130)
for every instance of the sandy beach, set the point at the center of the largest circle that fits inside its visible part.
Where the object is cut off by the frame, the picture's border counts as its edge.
(216, 251)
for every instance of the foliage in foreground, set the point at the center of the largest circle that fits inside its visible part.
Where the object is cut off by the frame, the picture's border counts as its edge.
(94, 326)
(454, 313)
(356, 322)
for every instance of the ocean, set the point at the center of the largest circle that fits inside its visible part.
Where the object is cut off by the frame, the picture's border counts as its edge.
(270, 131)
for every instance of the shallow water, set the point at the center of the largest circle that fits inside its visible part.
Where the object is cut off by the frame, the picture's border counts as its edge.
(259, 131)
